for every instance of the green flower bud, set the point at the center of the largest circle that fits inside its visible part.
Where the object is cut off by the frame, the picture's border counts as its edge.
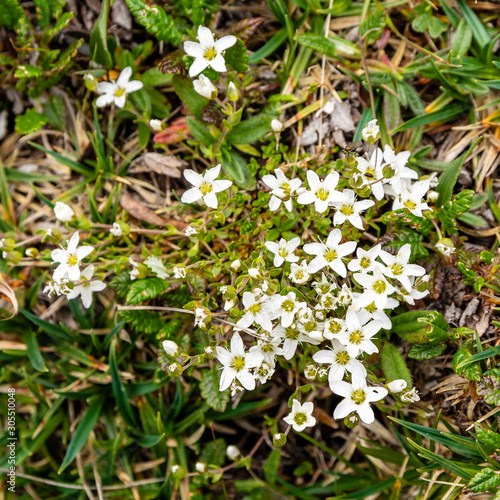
(279, 439)
(7, 244)
(351, 420)
(388, 172)
(32, 252)
(13, 257)
(178, 471)
(174, 370)
(90, 82)
(232, 92)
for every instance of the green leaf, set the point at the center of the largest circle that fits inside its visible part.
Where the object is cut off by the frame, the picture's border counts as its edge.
(235, 166)
(146, 289)
(426, 351)
(210, 392)
(491, 352)
(46, 10)
(30, 122)
(462, 39)
(249, 131)
(46, 326)
(156, 21)
(449, 177)
(450, 210)
(236, 57)
(487, 437)
(469, 371)
(200, 132)
(34, 354)
(409, 237)
(143, 321)
(393, 364)
(214, 453)
(119, 389)
(73, 165)
(419, 327)
(27, 71)
(98, 43)
(273, 44)
(82, 432)
(331, 46)
(11, 13)
(374, 24)
(484, 480)
(155, 77)
(478, 29)
(272, 465)
(183, 87)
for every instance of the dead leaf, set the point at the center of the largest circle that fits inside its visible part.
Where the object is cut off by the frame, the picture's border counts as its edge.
(137, 210)
(176, 132)
(7, 291)
(161, 164)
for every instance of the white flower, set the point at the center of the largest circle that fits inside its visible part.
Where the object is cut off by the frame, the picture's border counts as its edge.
(208, 53)
(60, 288)
(263, 372)
(377, 288)
(201, 467)
(357, 398)
(156, 125)
(357, 337)
(398, 266)
(233, 452)
(269, 350)
(410, 197)
(323, 286)
(69, 259)
(366, 260)
(289, 306)
(179, 272)
(205, 87)
(237, 364)
(397, 385)
(235, 265)
(414, 294)
(301, 416)
(349, 209)
(330, 253)
(116, 92)
(283, 251)
(410, 396)
(333, 327)
(321, 193)
(309, 324)
(200, 314)
(85, 290)
(116, 230)
(340, 362)
(254, 273)
(277, 126)
(398, 163)
(258, 309)
(291, 336)
(371, 311)
(298, 273)
(190, 231)
(63, 212)
(282, 189)
(370, 132)
(371, 173)
(135, 271)
(157, 266)
(445, 246)
(205, 186)
(171, 348)
(345, 295)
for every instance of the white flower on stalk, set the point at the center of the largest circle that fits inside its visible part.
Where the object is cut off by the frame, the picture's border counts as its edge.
(397, 386)
(116, 230)
(349, 209)
(310, 325)
(398, 163)
(370, 132)
(376, 288)
(321, 193)
(366, 260)
(69, 259)
(156, 125)
(410, 396)
(300, 416)
(399, 268)
(333, 328)
(330, 253)
(208, 53)
(63, 212)
(283, 251)
(269, 350)
(340, 362)
(205, 87)
(289, 307)
(171, 348)
(157, 266)
(190, 231)
(414, 294)
(135, 271)
(263, 372)
(205, 186)
(371, 173)
(116, 92)
(277, 126)
(85, 289)
(357, 398)
(282, 189)
(299, 273)
(410, 197)
(258, 309)
(237, 364)
(291, 337)
(371, 311)
(233, 452)
(59, 288)
(357, 337)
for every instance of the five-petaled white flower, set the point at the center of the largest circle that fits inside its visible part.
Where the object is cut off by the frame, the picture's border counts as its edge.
(289, 306)
(410, 197)
(370, 132)
(116, 92)
(357, 337)
(258, 309)
(85, 289)
(300, 416)
(321, 193)
(237, 364)
(205, 186)
(63, 212)
(358, 397)
(377, 288)
(366, 260)
(283, 251)
(398, 266)
(69, 259)
(299, 273)
(205, 87)
(349, 209)
(208, 52)
(330, 253)
(371, 173)
(282, 189)
(398, 163)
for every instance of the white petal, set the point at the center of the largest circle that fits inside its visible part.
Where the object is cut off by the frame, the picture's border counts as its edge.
(193, 49)
(366, 413)
(199, 64)
(124, 77)
(107, 87)
(237, 347)
(211, 200)
(344, 408)
(225, 42)
(191, 195)
(226, 378)
(120, 101)
(206, 37)
(218, 63)
(73, 242)
(82, 252)
(246, 379)
(133, 86)
(104, 100)
(86, 297)
(219, 186)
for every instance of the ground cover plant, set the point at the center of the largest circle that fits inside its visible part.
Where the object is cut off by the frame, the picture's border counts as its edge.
(249, 249)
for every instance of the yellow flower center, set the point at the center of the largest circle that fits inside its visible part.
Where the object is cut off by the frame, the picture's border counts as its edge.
(334, 327)
(371, 308)
(282, 252)
(365, 263)
(206, 188)
(322, 194)
(347, 210)
(292, 333)
(397, 269)
(358, 397)
(380, 286)
(310, 326)
(267, 348)
(73, 260)
(342, 358)
(410, 205)
(300, 418)
(238, 363)
(288, 306)
(120, 92)
(210, 54)
(331, 255)
(356, 337)
(328, 302)
(299, 275)
(254, 309)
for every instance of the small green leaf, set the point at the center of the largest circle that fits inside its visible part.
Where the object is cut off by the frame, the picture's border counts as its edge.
(30, 122)
(200, 132)
(235, 166)
(426, 351)
(27, 71)
(210, 392)
(34, 354)
(236, 57)
(393, 364)
(469, 371)
(462, 39)
(373, 26)
(11, 13)
(484, 480)
(487, 437)
(183, 87)
(146, 289)
(98, 43)
(331, 46)
(250, 131)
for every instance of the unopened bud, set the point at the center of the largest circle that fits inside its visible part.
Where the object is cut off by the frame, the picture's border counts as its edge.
(235, 265)
(277, 126)
(432, 196)
(90, 82)
(388, 172)
(201, 467)
(232, 92)
(156, 125)
(232, 452)
(7, 244)
(254, 273)
(310, 372)
(171, 348)
(397, 386)
(279, 439)
(175, 369)
(178, 471)
(32, 252)
(351, 420)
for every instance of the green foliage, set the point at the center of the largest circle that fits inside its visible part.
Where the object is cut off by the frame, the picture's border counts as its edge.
(425, 21)
(407, 236)
(394, 365)
(470, 371)
(419, 327)
(98, 38)
(156, 21)
(331, 46)
(11, 13)
(428, 350)
(372, 26)
(48, 9)
(488, 437)
(183, 87)
(30, 121)
(236, 57)
(236, 167)
(209, 387)
(143, 321)
(449, 212)
(249, 131)
(485, 480)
